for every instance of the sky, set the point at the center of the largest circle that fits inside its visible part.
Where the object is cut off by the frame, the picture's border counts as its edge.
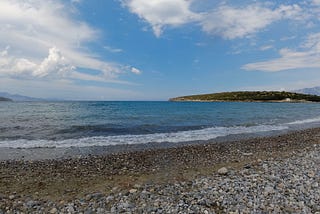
(156, 49)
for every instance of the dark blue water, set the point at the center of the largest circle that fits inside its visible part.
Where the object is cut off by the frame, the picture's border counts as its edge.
(65, 124)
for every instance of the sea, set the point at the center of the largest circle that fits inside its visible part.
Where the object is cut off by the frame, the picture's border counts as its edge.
(85, 124)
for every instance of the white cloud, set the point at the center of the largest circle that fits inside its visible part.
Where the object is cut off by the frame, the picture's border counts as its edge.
(113, 50)
(230, 22)
(76, 1)
(266, 47)
(15, 66)
(307, 57)
(54, 63)
(316, 2)
(161, 13)
(135, 71)
(31, 28)
(286, 38)
(225, 21)
(4, 53)
(56, 66)
(43, 23)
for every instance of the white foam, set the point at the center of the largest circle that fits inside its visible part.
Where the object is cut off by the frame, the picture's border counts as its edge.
(298, 122)
(176, 137)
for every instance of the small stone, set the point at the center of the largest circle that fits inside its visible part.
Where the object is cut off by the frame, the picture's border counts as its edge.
(97, 195)
(109, 198)
(70, 209)
(101, 210)
(133, 191)
(88, 197)
(315, 185)
(114, 189)
(53, 210)
(113, 210)
(2, 196)
(311, 174)
(281, 186)
(137, 186)
(268, 190)
(11, 197)
(301, 203)
(126, 205)
(223, 171)
(32, 203)
(247, 166)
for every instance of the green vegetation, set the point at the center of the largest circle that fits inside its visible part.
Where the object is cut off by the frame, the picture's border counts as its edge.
(252, 96)
(5, 99)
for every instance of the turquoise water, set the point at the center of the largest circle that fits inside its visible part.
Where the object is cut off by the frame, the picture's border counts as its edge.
(66, 124)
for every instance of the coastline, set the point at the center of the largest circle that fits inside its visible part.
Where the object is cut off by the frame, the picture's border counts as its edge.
(60, 153)
(243, 101)
(250, 96)
(64, 181)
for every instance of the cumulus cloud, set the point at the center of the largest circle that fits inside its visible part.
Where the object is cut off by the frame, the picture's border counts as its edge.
(307, 57)
(161, 13)
(12, 66)
(226, 21)
(32, 28)
(53, 65)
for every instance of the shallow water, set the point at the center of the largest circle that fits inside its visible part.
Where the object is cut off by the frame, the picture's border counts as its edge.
(83, 124)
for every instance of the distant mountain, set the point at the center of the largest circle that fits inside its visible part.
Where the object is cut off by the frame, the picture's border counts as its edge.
(314, 91)
(4, 99)
(17, 97)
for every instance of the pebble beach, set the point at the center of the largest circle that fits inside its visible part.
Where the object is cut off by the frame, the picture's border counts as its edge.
(277, 174)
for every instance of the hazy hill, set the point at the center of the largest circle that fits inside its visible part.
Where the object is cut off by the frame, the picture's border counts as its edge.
(17, 97)
(314, 91)
(251, 96)
(5, 99)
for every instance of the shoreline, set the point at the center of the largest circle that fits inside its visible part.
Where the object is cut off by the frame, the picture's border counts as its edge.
(63, 181)
(60, 153)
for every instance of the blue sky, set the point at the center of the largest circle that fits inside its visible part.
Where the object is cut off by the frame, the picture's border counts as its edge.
(156, 49)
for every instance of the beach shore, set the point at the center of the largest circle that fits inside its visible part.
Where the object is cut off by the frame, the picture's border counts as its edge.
(268, 174)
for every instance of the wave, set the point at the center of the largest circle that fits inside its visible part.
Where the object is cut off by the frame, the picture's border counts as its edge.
(298, 122)
(117, 129)
(172, 137)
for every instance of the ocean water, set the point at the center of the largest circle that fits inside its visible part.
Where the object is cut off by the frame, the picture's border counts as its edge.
(82, 124)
